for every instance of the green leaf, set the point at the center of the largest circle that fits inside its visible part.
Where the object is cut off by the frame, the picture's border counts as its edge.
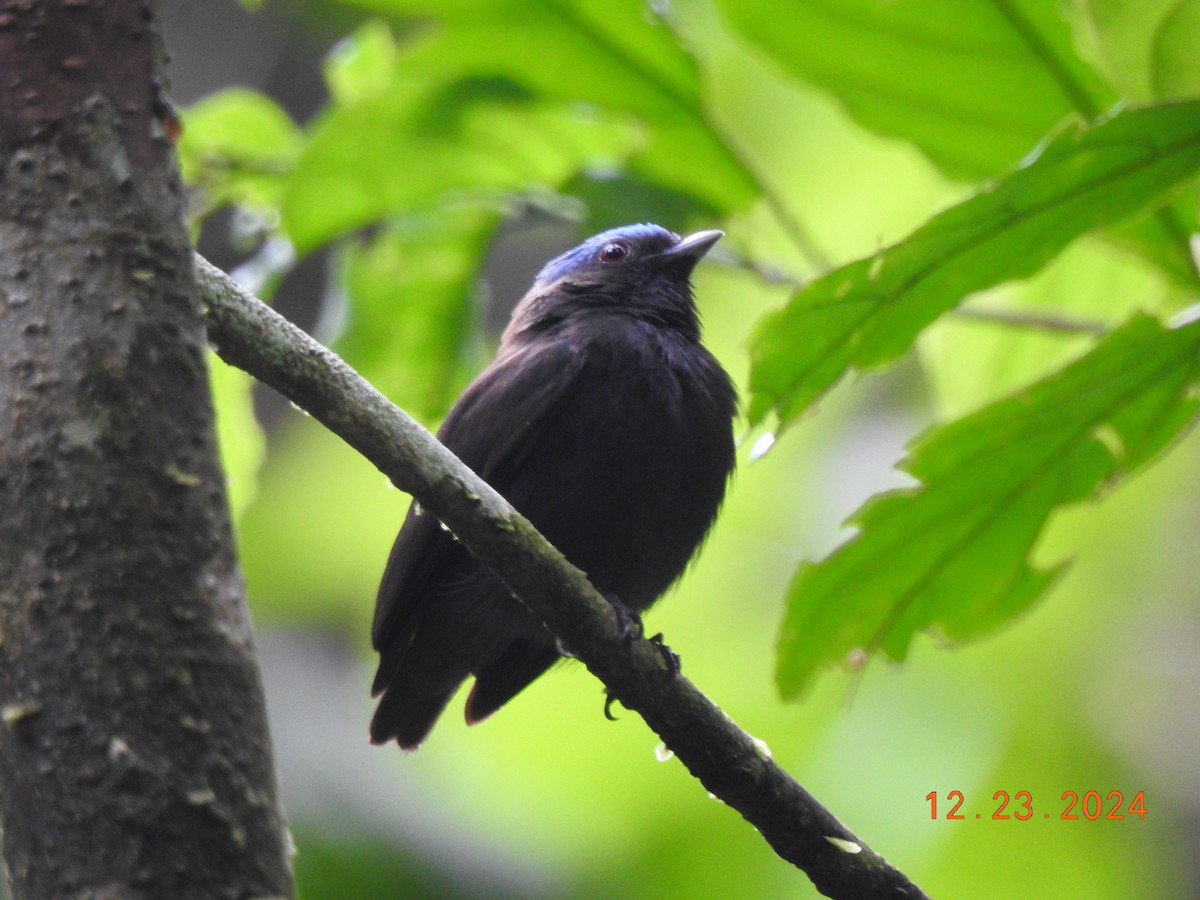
(1176, 72)
(868, 313)
(374, 159)
(973, 85)
(1163, 238)
(411, 312)
(619, 56)
(239, 146)
(401, 139)
(614, 55)
(1145, 49)
(952, 555)
(967, 363)
(610, 201)
(363, 65)
(1120, 38)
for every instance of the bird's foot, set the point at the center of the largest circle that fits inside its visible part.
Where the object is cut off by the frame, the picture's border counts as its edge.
(670, 657)
(628, 622)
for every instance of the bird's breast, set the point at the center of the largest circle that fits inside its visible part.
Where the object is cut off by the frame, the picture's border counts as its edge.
(629, 472)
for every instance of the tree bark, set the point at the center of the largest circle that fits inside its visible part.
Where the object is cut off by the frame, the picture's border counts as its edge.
(134, 756)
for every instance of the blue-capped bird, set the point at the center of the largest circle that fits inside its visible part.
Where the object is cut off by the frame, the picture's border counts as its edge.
(604, 421)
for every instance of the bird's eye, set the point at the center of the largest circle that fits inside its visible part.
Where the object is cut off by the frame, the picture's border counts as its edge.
(614, 252)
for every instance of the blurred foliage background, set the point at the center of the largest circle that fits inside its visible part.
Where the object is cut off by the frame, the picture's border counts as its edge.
(393, 172)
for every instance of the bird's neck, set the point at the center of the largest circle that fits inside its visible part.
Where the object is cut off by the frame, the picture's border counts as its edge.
(543, 316)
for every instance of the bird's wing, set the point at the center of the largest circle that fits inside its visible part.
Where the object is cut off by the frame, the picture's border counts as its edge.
(490, 428)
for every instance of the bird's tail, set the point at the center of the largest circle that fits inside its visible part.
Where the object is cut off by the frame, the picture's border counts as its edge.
(511, 673)
(416, 681)
(408, 710)
(416, 689)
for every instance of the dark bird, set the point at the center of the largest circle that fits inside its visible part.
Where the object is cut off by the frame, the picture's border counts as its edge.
(605, 422)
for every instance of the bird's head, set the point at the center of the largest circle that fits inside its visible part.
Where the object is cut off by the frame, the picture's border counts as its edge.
(638, 270)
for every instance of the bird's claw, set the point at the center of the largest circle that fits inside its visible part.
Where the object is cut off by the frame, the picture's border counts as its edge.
(670, 657)
(609, 699)
(629, 623)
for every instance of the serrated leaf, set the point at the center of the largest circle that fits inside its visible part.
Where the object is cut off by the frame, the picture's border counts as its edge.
(952, 555)
(973, 85)
(868, 313)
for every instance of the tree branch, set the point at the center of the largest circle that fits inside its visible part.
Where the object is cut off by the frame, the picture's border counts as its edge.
(1011, 318)
(1029, 319)
(728, 762)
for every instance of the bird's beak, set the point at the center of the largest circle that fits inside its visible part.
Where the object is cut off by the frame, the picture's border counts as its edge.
(694, 246)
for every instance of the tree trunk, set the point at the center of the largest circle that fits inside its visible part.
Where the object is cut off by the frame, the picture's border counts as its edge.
(134, 756)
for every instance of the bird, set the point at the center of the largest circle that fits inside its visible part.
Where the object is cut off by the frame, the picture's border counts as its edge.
(605, 422)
